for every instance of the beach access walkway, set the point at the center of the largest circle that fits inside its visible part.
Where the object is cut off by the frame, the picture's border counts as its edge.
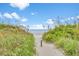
(47, 49)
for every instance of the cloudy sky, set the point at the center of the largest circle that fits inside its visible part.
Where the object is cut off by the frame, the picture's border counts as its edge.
(36, 14)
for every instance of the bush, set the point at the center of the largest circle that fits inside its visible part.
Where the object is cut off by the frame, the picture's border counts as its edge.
(61, 42)
(47, 37)
(70, 47)
(65, 37)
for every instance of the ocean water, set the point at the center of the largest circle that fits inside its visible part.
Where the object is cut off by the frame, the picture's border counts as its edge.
(38, 30)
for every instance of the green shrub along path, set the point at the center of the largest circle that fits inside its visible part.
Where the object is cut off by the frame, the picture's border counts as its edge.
(64, 37)
(16, 42)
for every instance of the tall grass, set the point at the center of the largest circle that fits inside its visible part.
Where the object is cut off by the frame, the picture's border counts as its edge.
(16, 42)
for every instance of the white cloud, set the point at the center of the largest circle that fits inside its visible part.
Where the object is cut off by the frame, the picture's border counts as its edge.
(15, 15)
(72, 17)
(32, 13)
(50, 21)
(23, 25)
(77, 17)
(68, 18)
(37, 26)
(7, 15)
(22, 5)
(24, 19)
(11, 15)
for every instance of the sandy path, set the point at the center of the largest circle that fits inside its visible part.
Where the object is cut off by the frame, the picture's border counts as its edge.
(47, 49)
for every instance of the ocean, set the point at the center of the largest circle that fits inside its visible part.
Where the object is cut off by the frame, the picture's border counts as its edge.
(38, 30)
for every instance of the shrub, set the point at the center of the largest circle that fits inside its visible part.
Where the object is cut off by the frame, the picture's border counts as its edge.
(65, 37)
(47, 37)
(70, 47)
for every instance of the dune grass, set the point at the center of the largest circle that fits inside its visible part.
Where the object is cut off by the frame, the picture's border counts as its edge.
(65, 37)
(16, 42)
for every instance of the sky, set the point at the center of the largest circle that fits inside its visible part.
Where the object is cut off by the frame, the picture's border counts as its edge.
(36, 14)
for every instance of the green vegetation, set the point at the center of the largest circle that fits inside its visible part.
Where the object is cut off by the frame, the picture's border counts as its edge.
(65, 37)
(16, 42)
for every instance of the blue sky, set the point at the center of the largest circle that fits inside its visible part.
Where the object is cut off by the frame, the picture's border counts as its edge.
(37, 13)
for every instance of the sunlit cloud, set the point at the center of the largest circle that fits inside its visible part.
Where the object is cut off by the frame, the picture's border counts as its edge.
(36, 26)
(77, 17)
(7, 15)
(24, 20)
(72, 17)
(15, 15)
(23, 25)
(22, 5)
(32, 13)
